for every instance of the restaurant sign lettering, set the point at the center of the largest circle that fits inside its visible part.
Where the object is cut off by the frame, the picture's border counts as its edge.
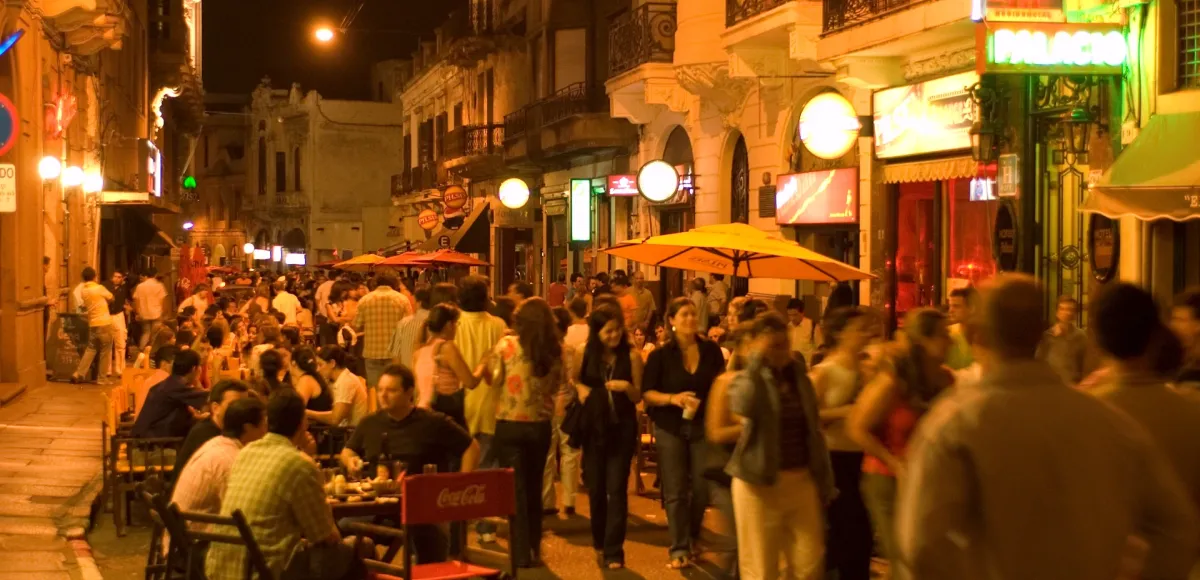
(927, 117)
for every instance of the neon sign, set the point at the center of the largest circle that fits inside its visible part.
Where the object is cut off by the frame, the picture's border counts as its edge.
(1053, 48)
(581, 210)
(10, 41)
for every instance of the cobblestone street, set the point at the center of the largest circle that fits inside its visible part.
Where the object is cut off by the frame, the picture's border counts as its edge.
(49, 476)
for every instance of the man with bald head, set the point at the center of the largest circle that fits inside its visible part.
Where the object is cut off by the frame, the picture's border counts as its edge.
(1026, 478)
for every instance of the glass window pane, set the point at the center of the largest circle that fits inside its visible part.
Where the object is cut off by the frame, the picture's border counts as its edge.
(971, 223)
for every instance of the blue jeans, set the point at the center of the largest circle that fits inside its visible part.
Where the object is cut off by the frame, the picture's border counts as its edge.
(684, 488)
(375, 368)
(487, 460)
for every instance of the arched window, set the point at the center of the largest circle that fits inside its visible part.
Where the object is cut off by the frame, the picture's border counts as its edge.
(262, 165)
(296, 169)
(739, 186)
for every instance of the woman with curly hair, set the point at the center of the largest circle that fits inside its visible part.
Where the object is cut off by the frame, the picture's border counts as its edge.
(528, 366)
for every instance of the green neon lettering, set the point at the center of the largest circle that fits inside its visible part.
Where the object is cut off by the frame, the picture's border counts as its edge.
(1080, 48)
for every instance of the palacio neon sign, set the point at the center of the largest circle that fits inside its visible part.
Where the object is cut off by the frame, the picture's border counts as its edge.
(1052, 48)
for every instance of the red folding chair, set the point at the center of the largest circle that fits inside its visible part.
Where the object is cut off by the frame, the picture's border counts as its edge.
(453, 497)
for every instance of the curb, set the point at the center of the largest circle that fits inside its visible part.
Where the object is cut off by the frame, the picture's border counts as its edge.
(10, 392)
(88, 570)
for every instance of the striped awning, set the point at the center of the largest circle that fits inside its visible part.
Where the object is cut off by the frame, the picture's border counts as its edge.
(933, 170)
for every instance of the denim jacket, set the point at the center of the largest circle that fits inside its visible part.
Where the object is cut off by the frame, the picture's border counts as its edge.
(754, 396)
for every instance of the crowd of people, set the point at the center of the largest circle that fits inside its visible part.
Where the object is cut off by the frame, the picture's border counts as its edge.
(982, 442)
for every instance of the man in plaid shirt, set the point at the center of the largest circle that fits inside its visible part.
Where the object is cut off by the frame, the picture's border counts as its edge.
(280, 491)
(378, 314)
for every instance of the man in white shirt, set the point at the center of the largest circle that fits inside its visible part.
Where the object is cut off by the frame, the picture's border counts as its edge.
(94, 302)
(577, 333)
(405, 337)
(1025, 477)
(286, 302)
(148, 300)
(200, 299)
(802, 330)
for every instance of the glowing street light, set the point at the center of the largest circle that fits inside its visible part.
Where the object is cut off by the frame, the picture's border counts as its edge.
(93, 182)
(324, 34)
(248, 248)
(188, 225)
(49, 168)
(72, 177)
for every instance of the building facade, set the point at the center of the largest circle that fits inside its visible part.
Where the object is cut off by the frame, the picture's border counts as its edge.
(318, 181)
(216, 207)
(78, 86)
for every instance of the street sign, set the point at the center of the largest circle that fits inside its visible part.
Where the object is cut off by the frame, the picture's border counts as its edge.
(8, 125)
(8, 188)
(1008, 180)
(444, 242)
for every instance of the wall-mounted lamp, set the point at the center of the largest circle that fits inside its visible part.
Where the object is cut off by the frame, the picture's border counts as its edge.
(49, 168)
(72, 177)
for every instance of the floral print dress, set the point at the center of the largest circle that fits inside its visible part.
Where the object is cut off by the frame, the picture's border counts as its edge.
(523, 396)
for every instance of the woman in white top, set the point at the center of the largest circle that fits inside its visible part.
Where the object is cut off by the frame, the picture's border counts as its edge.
(837, 380)
(350, 403)
(442, 373)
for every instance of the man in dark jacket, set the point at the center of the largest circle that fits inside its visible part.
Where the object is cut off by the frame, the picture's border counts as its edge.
(171, 404)
(223, 393)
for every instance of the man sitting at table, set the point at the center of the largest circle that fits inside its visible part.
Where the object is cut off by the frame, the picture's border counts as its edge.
(281, 492)
(222, 394)
(416, 437)
(171, 405)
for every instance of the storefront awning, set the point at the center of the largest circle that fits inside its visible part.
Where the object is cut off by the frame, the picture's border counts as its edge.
(1156, 177)
(462, 238)
(935, 170)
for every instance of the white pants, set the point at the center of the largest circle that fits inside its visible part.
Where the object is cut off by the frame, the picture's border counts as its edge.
(785, 518)
(120, 340)
(569, 458)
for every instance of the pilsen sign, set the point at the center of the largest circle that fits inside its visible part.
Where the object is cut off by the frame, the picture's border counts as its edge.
(1050, 48)
(622, 185)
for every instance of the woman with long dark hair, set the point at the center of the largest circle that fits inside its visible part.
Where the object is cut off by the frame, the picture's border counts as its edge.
(885, 415)
(350, 402)
(528, 368)
(273, 374)
(608, 380)
(678, 378)
(308, 381)
(837, 380)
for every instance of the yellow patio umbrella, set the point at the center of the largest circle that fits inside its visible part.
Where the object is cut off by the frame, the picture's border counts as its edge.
(363, 262)
(736, 250)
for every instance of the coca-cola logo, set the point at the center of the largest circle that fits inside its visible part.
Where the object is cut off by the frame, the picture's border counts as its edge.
(467, 496)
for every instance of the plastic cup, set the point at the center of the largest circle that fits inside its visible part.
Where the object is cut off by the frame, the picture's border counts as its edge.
(689, 409)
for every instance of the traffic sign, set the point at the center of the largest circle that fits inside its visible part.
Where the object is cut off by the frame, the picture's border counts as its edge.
(8, 188)
(8, 125)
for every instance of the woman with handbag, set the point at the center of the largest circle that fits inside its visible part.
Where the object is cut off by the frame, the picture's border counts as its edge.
(723, 429)
(608, 379)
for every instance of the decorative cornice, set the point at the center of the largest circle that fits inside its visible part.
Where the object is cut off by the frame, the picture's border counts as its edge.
(712, 83)
(940, 65)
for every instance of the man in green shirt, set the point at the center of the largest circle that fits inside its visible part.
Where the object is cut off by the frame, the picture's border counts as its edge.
(962, 308)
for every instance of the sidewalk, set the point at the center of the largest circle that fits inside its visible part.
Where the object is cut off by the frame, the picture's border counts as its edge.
(49, 476)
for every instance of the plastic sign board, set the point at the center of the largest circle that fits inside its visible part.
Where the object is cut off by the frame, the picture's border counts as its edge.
(262, 254)
(428, 219)
(294, 259)
(817, 198)
(581, 210)
(1017, 10)
(928, 117)
(622, 185)
(828, 125)
(1054, 48)
(8, 188)
(150, 172)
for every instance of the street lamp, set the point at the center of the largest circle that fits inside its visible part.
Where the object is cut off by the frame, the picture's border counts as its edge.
(324, 34)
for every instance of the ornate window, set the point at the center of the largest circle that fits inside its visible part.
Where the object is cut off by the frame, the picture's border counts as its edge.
(739, 187)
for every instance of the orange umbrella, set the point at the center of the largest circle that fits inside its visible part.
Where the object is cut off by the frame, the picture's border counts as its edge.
(407, 259)
(448, 258)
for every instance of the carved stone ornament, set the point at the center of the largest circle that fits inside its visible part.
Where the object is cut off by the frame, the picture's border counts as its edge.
(940, 65)
(712, 83)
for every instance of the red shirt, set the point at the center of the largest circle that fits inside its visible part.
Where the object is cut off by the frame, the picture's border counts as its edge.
(558, 294)
(897, 429)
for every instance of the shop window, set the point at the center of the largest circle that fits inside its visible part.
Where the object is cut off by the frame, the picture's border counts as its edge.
(917, 256)
(1188, 16)
(971, 258)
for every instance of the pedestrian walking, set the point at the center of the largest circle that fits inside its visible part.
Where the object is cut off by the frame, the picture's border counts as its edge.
(1064, 346)
(723, 430)
(886, 414)
(149, 300)
(377, 316)
(528, 369)
(118, 309)
(1025, 477)
(677, 380)
(837, 380)
(94, 300)
(780, 468)
(608, 378)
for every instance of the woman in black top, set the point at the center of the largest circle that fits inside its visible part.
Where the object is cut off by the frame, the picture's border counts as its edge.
(678, 377)
(310, 384)
(608, 378)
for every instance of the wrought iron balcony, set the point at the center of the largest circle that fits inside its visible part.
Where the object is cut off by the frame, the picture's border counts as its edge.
(643, 35)
(741, 10)
(575, 99)
(839, 14)
(473, 141)
(516, 123)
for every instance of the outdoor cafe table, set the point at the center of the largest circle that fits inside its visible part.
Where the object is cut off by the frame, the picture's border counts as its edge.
(365, 509)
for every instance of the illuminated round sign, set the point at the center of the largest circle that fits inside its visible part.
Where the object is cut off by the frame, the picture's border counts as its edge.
(247, 248)
(427, 219)
(8, 125)
(828, 125)
(657, 181)
(514, 193)
(454, 197)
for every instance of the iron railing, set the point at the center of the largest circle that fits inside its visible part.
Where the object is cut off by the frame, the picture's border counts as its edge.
(740, 10)
(516, 123)
(573, 99)
(473, 140)
(839, 14)
(643, 35)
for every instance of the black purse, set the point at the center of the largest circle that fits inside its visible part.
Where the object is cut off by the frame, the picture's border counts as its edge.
(573, 424)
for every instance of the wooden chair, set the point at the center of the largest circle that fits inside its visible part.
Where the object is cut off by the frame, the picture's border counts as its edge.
(133, 461)
(118, 406)
(163, 560)
(646, 456)
(255, 564)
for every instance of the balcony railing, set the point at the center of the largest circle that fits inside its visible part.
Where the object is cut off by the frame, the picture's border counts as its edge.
(740, 10)
(643, 35)
(516, 123)
(474, 140)
(573, 99)
(839, 14)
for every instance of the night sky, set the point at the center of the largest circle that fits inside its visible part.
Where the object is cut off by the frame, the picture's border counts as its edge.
(245, 40)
